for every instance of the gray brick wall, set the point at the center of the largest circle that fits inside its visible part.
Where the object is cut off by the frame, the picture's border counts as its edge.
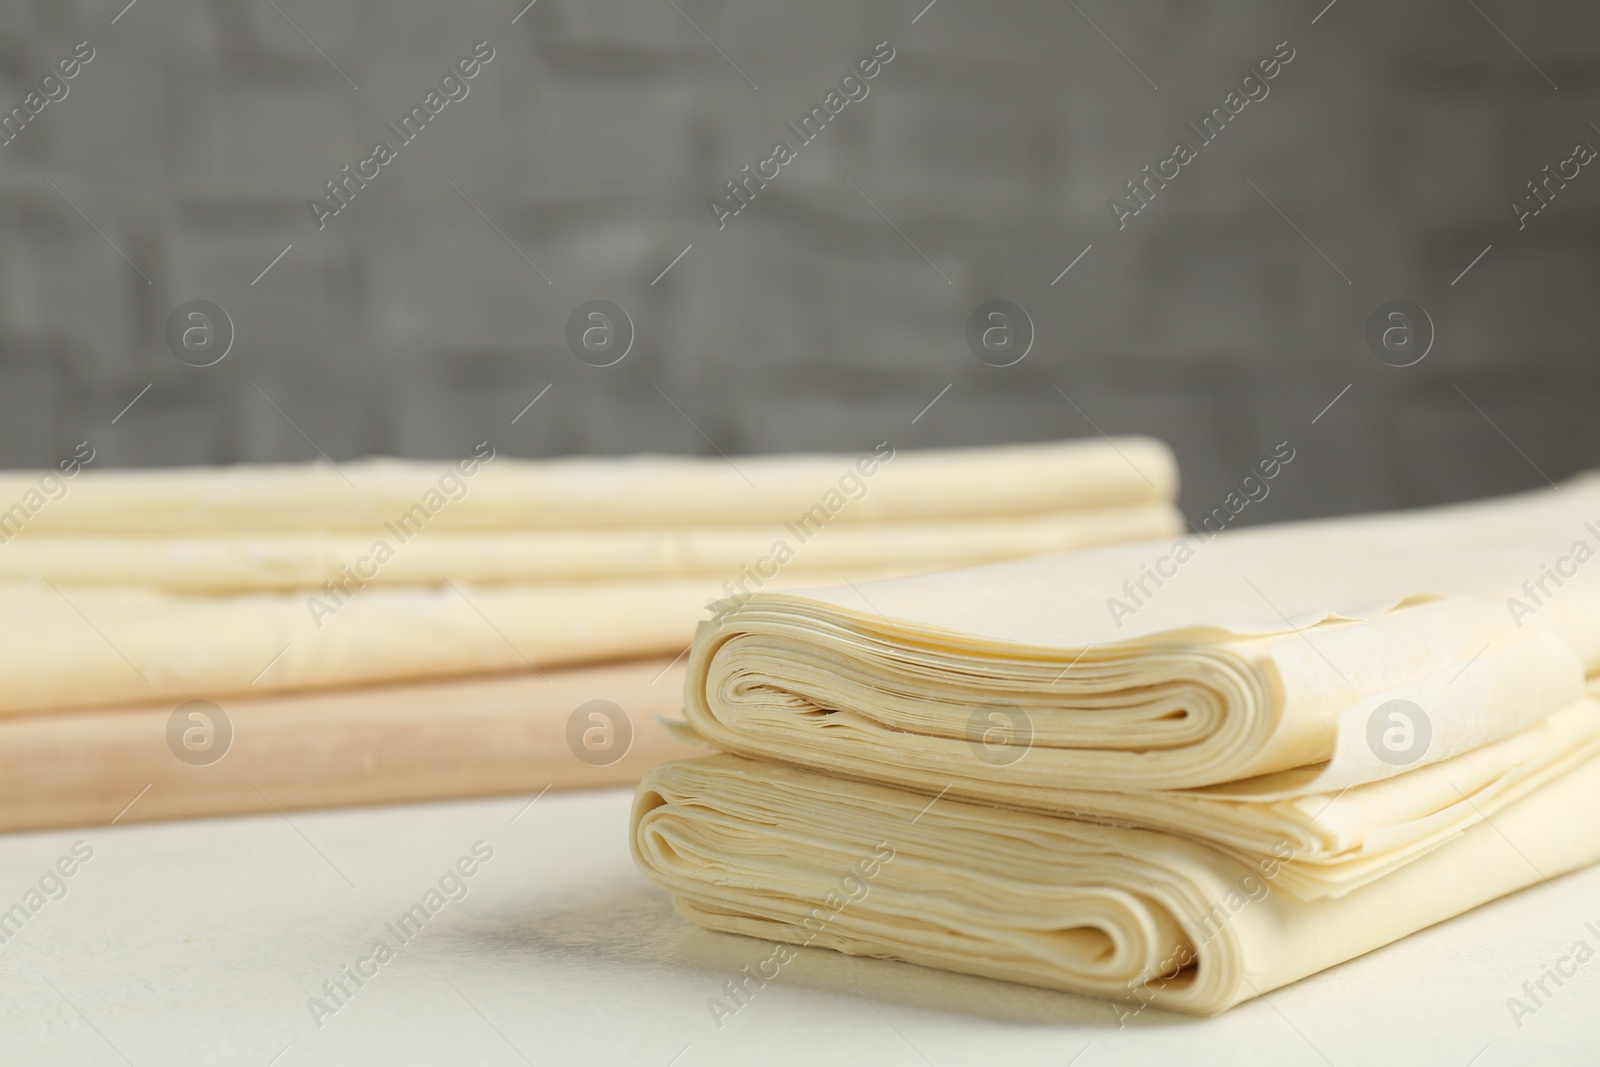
(1394, 141)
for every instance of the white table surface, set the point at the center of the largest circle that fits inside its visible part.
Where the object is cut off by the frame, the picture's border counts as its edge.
(200, 942)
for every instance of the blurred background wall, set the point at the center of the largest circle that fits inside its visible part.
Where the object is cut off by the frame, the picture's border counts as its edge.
(827, 314)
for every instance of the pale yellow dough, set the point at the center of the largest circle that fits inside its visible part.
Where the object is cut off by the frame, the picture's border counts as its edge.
(121, 587)
(1169, 792)
(68, 648)
(582, 493)
(260, 562)
(1150, 919)
(1266, 654)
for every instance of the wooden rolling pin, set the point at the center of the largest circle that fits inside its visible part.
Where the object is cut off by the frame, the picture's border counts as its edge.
(512, 734)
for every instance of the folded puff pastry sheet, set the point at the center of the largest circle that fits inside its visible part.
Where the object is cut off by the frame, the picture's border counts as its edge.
(128, 586)
(1253, 670)
(1146, 918)
(501, 493)
(225, 563)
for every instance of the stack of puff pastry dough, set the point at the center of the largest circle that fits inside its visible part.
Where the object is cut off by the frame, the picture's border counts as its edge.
(122, 587)
(1303, 743)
